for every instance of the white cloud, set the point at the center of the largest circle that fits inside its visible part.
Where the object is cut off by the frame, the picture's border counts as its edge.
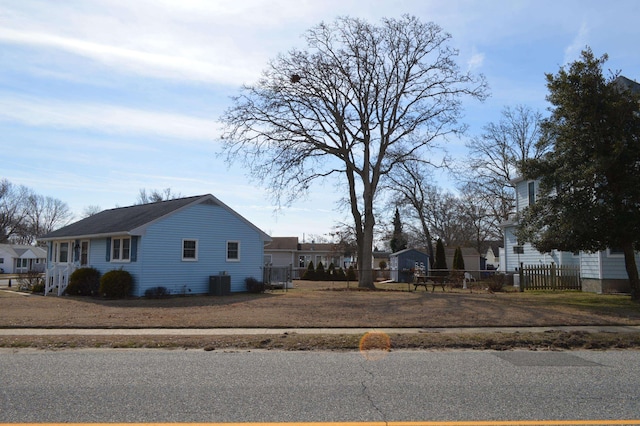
(134, 61)
(104, 118)
(579, 42)
(476, 61)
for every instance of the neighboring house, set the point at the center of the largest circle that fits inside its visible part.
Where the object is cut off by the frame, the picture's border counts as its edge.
(19, 259)
(281, 251)
(288, 252)
(379, 257)
(492, 255)
(403, 263)
(177, 244)
(471, 259)
(600, 272)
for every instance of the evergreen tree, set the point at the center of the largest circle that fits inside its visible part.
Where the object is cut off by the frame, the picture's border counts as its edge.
(458, 260)
(320, 272)
(590, 183)
(398, 239)
(310, 273)
(440, 264)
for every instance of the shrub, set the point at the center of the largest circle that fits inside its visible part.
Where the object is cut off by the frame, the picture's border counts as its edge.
(116, 284)
(310, 273)
(340, 275)
(331, 271)
(38, 287)
(156, 292)
(320, 272)
(496, 282)
(351, 274)
(83, 282)
(30, 281)
(253, 285)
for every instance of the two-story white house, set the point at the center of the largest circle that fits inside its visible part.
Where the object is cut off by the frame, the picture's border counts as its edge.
(601, 272)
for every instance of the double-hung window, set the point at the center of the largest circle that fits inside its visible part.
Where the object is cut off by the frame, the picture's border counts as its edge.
(121, 249)
(63, 253)
(189, 250)
(233, 251)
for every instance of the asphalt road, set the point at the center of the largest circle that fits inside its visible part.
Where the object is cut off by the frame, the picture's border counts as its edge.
(261, 386)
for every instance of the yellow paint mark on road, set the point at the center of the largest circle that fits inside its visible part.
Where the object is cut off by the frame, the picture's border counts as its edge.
(412, 423)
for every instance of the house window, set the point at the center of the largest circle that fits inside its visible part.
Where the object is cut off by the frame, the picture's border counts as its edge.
(63, 253)
(532, 193)
(518, 249)
(190, 250)
(84, 253)
(615, 252)
(120, 249)
(233, 250)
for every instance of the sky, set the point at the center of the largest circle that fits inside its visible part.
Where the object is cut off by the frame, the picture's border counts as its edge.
(102, 98)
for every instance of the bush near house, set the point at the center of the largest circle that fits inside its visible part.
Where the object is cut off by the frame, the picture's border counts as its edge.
(83, 282)
(253, 285)
(330, 274)
(321, 274)
(310, 273)
(116, 284)
(157, 293)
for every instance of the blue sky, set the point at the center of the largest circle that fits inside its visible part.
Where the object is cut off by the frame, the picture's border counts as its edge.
(100, 98)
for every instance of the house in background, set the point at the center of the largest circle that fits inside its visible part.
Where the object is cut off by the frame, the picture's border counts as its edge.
(600, 272)
(283, 252)
(403, 263)
(471, 259)
(177, 244)
(20, 259)
(492, 255)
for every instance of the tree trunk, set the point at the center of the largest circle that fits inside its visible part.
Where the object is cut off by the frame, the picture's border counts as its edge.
(632, 270)
(365, 247)
(365, 257)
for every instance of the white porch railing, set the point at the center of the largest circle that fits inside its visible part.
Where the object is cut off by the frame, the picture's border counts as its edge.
(57, 278)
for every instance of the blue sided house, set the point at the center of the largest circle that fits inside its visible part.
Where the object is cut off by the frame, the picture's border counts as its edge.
(177, 244)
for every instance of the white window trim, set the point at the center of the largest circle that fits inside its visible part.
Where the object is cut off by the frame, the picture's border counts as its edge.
(58, 251)
(120, 259)
(88, 252)
(190, 259)
(227, 251)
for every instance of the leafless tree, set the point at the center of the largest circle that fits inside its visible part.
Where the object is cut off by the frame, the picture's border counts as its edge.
(43, 215)
(25, 215)
(12, 210)
(91, 210)
(360, 101)
(411, 186)
(496, 157)
(154, 196)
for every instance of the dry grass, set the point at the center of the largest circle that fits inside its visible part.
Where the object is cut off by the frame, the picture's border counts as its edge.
(324, 305)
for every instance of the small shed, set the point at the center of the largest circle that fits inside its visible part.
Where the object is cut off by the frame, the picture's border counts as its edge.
(404, 262)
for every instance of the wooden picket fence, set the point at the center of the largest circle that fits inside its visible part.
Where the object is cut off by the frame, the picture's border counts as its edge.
(549, 277)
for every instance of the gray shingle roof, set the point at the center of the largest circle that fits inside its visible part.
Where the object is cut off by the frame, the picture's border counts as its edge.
(121, 220)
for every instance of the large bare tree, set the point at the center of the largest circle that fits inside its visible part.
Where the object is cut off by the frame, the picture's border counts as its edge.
(495, 159)
(43, 215)
(360, 101)
(12, 210)
(25, 215)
